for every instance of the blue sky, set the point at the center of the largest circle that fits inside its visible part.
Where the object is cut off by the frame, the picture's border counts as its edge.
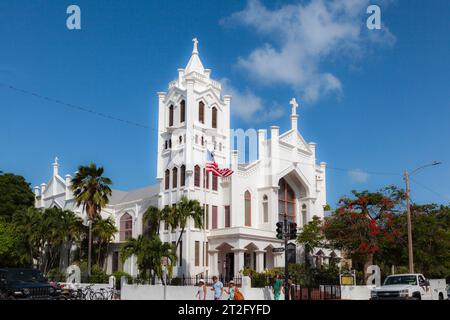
(375, 102)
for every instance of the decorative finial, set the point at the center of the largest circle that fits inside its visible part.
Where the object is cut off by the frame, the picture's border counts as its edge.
(56, 160)
(294, 106)
(195, 49)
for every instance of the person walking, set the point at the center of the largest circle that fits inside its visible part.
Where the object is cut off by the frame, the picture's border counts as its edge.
(277, 288)
(201, 290)
(230, 291)
(217, 287)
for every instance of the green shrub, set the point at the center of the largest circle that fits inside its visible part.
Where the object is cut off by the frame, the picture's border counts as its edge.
(259, 280)
(98, 275)
(56, 275)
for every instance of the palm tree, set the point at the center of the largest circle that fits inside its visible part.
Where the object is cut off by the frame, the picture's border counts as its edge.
(91, 191)
(179, 215)
(104, 230)
(152, 218)
(28, 223)
(150, 253)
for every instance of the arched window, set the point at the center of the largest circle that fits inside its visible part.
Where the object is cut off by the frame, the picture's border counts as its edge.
(304, 215)
(265, 203)
(286, 201)
(201, 112)
(126, 227)
(214, 117)
(182, 175)
(180, 139)
(197, 176)
(174, 177)
(182, 110)
(167, 179)
(170, 116)
(166, 144)
(248, 208)
(205, 179)
(203, 141)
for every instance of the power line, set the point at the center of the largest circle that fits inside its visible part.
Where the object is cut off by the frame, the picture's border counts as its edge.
(431, 190)
(73, 106)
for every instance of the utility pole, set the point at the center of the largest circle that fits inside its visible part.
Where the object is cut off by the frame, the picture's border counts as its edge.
(408, 218)
(408, 212)
(286, 269)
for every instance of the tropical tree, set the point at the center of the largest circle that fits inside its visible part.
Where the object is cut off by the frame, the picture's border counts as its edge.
(152, 218)
(150, 254)
(178, 216)
(28, 223)
(311, 237)
(15, 194)
(103, 230)
(91, 190)
(362, 221)
(13, 249)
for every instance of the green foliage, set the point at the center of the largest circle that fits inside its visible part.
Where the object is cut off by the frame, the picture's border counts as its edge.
(13, 251)
(150, 253)
(91, 189)
(259, 280)
(56, 275)
(362, 222)
(98, 275)
(15, 194)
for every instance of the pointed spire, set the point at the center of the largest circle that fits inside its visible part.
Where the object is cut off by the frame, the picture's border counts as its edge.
(194, 63)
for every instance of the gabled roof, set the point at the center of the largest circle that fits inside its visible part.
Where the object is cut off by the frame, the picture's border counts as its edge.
(145, 193)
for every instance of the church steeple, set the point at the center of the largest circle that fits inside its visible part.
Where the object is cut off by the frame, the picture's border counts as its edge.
(194, 64)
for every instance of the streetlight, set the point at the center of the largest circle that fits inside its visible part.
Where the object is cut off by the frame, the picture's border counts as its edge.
(408, 212)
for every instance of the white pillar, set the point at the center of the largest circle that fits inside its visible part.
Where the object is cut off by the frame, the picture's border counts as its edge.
(213, 263)
(68, 179)
(43, 189)
(274, 153)
(260, 261)
(161, 129)
(238, 260)
(278, 259)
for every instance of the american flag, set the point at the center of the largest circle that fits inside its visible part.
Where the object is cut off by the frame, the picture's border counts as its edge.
(212, 166)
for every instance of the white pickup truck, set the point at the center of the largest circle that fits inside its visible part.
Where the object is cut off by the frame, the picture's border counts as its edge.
(412, 286)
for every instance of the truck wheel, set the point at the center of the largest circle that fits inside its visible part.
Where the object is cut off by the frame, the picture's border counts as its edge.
(417, 296)
(441, 296)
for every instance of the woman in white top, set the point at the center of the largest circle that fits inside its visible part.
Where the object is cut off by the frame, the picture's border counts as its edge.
(201, 290)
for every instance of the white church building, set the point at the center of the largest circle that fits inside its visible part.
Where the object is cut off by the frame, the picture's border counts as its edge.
(241, 210)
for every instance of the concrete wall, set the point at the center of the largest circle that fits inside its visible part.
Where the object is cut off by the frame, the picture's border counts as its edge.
(156, 292)
(356, 292)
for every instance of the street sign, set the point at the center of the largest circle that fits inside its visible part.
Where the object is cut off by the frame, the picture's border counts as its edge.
(277, 249)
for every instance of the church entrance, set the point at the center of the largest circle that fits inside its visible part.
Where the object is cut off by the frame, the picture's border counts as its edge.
(229, 266)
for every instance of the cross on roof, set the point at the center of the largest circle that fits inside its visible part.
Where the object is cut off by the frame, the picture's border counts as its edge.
(294, 105)
(195, 50)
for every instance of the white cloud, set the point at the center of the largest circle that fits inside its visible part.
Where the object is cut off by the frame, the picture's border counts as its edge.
(248, 106)
(301, 38)
(358, 175)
